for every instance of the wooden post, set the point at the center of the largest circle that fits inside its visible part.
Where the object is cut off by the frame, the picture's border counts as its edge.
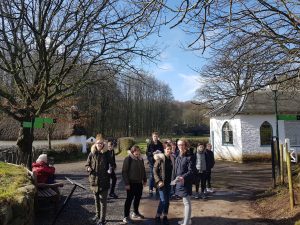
(289, 172)
(281, 164)
(277, 164)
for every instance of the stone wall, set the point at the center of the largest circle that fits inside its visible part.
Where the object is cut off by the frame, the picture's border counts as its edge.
(21, 210)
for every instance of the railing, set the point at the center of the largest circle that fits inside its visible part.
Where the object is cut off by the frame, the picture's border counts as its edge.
(8, 155)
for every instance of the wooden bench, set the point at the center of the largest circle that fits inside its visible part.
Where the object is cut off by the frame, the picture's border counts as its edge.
(47, 193)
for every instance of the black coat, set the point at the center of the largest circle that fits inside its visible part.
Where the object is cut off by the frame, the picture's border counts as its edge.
(210, 159)
(185, 167)
(152, 148)
(113, 157)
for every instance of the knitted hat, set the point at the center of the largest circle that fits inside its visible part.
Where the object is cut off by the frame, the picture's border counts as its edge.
(42, 158)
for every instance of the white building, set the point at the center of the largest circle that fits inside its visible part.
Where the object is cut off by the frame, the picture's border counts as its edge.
(240, 130)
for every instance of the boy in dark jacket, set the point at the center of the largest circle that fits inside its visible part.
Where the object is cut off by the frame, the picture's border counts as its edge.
(113, 176)
(134, 176)
(210, 162)
(155, 146)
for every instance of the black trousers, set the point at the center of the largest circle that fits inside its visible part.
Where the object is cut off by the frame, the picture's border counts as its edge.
(201, 178)
(113, 178)
(208, 178)
(135, 194)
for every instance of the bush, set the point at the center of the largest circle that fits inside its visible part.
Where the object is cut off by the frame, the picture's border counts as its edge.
(63, 152)
(125, 143)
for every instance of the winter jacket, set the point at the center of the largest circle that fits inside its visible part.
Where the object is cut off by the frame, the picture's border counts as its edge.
(200, 161)
(99, 162)
(210, 160)
(185, 167)
(159, 168)
(44, 172)
(133, 170)
(151, 148)
(113, 157)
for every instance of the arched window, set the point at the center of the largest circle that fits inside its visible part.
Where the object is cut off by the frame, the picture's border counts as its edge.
(227, 137)
(265, 133)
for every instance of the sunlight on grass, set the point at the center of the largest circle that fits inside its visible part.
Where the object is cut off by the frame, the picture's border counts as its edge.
(11, 178)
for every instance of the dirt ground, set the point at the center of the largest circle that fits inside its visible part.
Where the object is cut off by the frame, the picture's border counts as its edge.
(239, 199)
(235, 188)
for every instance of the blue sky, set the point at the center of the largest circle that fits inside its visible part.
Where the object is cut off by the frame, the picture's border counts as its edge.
(176, 64)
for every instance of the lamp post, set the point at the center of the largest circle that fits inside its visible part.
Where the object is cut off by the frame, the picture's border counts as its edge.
(274, 86)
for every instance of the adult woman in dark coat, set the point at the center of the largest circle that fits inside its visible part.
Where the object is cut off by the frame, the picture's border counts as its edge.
(184, 172)
(98, 164)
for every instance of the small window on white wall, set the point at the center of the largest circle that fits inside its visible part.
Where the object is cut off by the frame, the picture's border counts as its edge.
(227, 136)
(265, 133)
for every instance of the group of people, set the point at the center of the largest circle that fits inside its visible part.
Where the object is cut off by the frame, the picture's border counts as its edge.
(173, 167)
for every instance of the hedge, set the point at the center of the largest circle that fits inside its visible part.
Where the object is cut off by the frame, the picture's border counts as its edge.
(61, 152)
(125, 143)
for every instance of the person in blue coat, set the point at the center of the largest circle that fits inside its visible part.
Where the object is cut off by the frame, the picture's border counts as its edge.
(184, 172)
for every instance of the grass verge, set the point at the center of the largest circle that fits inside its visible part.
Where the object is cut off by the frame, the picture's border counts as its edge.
(11, 178)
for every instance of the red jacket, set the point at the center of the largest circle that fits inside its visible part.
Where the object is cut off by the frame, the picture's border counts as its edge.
(43, 171)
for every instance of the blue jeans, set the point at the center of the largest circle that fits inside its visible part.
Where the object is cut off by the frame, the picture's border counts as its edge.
(151, 177)
(164, 195)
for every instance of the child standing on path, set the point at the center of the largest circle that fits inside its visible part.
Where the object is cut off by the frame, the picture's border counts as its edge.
(113, 176)
(134, 176)
(164, 169)
(201, 171)
(154, 146)
(210, 162)
(98, 165)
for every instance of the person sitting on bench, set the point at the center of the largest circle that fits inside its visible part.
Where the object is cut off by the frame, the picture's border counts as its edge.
(45, 173)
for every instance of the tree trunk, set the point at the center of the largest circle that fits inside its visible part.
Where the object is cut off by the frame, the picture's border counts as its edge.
(24, 142)
(49, 138)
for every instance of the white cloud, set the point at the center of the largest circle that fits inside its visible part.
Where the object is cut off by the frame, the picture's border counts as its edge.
(167, 67)
(189, 84)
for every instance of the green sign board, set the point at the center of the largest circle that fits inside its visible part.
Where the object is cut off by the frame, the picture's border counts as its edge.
(288, 117)
(39, 122)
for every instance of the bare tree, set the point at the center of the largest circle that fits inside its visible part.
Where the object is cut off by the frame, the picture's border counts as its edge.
(50, 49)
(216, 23)
(239, 68)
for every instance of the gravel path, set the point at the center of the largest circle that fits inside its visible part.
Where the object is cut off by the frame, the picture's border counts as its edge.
(235, 185)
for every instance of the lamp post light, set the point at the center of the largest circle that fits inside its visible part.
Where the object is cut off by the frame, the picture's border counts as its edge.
(274, 86)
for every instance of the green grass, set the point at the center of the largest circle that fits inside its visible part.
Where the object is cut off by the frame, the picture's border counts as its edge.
(143, 146)
(11, 178)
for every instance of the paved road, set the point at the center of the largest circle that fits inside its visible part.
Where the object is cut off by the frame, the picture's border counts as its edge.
(235, 184)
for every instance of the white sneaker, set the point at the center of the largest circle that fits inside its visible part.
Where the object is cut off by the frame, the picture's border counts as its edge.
(210, 190)
(181, 222)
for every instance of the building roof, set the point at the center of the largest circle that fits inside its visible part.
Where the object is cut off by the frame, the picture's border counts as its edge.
(260, 102)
